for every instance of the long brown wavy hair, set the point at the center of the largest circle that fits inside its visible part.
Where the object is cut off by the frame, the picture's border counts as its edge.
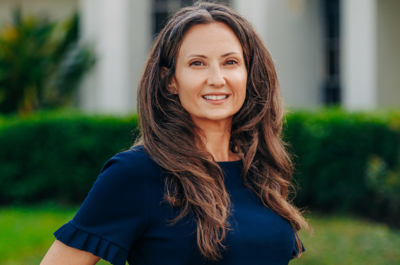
(171, 138)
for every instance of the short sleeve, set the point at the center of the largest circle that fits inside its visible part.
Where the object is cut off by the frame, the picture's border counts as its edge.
(295, 250)
(114, 214)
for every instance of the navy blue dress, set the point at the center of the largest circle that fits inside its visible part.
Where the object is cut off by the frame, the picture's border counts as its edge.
(125, 218)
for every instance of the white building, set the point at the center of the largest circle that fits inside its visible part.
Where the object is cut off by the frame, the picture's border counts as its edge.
(326, 51)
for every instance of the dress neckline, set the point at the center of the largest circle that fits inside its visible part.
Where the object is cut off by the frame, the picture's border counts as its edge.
(229, 162)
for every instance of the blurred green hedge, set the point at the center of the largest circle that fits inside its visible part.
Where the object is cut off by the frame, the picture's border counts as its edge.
(347, 161)
(344, 161)
(57, 156)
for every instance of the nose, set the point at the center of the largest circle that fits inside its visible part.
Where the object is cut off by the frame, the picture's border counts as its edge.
(215, 77)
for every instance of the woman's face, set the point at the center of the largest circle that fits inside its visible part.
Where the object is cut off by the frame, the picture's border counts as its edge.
(210, 75)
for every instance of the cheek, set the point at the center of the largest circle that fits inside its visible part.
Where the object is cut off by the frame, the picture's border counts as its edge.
(242, 87)
(189, 84)
(188, 93)
(188, 97)
(239, 78)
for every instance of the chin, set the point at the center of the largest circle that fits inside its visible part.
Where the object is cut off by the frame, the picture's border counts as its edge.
(218, 118)
(213, 116)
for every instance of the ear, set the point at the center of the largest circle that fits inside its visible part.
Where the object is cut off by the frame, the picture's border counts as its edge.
(172, 87)
(164, 71)
(171, 84)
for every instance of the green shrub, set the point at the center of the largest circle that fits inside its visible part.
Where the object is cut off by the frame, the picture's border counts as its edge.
(344, 161)
(41, 63)
(57, 156)
(335, 156)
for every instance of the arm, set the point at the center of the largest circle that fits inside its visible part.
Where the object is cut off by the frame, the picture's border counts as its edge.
(60, 254)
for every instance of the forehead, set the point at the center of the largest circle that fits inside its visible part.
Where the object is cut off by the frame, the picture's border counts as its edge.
(215, 37)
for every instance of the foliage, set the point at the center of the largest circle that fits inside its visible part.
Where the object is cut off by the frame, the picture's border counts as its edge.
(41, 63)
(348, 162)
(57, 155)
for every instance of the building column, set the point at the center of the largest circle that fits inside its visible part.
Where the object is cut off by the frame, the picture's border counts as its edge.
(255, 12)
(293, 32)
(120, 31)
(359, 54)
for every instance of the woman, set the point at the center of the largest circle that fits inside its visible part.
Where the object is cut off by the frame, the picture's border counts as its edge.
(207, 181)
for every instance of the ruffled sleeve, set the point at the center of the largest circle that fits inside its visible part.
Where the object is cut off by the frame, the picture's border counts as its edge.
(114, 214)
(295, 250)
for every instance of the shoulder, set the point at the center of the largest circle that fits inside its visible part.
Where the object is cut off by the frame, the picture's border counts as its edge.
(116, 211)
(135, 159)
(133, 165)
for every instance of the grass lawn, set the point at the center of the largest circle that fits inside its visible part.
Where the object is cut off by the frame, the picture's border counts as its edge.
(26, 235)
(349, 241)
(27, 232)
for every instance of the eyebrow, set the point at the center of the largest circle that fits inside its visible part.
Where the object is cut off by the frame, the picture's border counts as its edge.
(203, 56)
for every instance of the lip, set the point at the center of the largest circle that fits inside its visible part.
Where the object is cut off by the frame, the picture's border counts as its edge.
(215, 94)
(216, 102)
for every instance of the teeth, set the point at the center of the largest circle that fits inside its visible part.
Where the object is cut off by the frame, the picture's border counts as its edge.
(215, 97)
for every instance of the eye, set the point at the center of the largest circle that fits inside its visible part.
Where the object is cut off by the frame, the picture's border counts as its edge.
(196, 63)
(231, 62)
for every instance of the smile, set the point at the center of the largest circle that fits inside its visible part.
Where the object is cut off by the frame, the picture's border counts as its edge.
(216, 100)
(215, 97)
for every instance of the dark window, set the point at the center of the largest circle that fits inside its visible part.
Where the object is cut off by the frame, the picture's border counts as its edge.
(331, 88)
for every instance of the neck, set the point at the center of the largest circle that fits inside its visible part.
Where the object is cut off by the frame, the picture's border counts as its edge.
(216, 141)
